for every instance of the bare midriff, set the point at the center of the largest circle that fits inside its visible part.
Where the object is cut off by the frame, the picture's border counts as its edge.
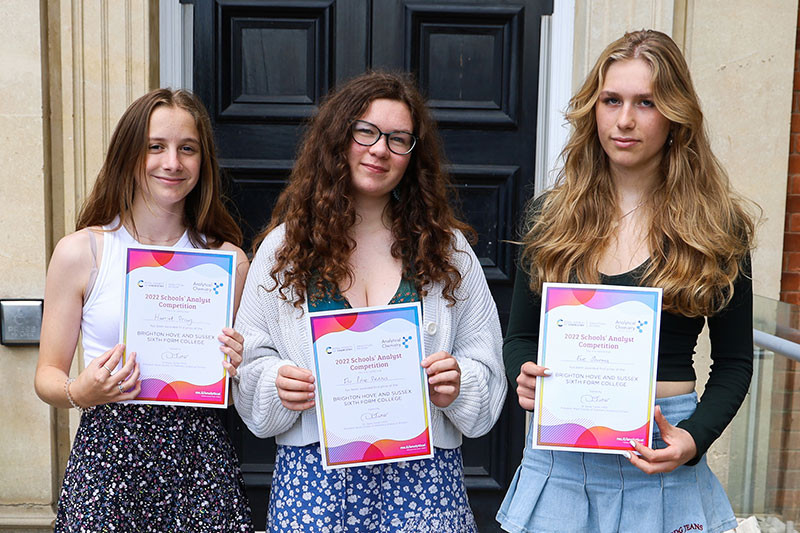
(665, 389)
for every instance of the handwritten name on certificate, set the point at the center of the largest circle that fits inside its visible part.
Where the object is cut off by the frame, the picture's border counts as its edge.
(601, 343)
(176, 303)
(372, 392)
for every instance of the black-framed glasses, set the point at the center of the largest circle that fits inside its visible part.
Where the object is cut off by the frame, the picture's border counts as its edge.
(366, 134)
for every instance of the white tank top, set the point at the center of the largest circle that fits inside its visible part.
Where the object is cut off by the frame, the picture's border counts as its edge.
(102, 309)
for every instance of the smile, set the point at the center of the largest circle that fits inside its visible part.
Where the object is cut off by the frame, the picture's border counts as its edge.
(167, 179)
(374, 168)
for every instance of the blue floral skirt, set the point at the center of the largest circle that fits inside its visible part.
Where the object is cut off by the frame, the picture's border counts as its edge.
(424, 496)
(573, 492)
(152, 468)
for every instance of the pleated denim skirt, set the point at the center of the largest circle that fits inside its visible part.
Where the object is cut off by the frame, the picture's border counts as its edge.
(573, 492)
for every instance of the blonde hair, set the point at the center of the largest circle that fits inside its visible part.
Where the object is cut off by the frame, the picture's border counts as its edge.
(701, 231)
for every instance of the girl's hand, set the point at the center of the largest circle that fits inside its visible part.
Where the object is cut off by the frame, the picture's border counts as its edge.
(680, 448)
(100, 383)
(232, 346)
(444, 378)
(526, 383)
(295, 387)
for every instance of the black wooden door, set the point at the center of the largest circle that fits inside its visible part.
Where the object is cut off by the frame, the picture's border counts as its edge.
(261, 68)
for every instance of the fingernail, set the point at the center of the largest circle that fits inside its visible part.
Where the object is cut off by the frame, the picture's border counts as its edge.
(548, 372)
(627, 455)
(632, 443)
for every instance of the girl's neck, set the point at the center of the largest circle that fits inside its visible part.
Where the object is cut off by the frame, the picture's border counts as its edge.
(153, 225)
(633, 189)
(371, 215)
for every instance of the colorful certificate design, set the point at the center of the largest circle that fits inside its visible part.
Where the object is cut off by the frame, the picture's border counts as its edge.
(176, 303)
(372, 393)
(601, 343)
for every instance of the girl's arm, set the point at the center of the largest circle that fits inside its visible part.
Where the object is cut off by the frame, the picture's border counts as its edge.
(67, 277)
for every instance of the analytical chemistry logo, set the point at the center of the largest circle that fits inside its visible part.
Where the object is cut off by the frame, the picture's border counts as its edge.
(140, 283)
(202, 286)
(560, 322)
(630, 325)
(396, 342)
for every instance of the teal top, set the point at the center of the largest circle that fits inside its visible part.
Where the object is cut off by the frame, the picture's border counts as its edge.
(406, 292)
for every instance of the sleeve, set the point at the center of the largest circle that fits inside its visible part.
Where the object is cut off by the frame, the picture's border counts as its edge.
(255, 395)
(522, 336)
(731, 334)
(477, 347)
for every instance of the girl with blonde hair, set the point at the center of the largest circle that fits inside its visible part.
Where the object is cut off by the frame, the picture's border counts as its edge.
(641, 200)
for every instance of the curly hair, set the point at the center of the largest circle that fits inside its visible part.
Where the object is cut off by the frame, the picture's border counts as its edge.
(318, 211)
(701, 231)
(205, 215)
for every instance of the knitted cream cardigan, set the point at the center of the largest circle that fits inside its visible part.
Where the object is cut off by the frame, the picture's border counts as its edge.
(276, 333)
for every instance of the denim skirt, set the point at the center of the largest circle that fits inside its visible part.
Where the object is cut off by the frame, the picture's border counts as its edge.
(571, 492)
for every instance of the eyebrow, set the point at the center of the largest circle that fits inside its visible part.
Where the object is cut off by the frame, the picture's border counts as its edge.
(187, 139)
(641, 96)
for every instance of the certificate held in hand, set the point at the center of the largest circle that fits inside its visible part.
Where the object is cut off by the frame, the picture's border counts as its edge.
(176, 303)
(372, 392)
(601, 344)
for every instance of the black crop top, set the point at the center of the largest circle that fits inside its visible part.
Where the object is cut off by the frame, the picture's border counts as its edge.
(731, 334)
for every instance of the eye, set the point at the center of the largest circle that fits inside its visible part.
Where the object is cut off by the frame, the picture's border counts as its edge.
(154, 147)
(188, 149)
(611, 100)
(647, 103)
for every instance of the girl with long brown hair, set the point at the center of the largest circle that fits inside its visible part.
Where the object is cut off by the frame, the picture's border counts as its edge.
(363, 221)
(137, 467)
(641, 200)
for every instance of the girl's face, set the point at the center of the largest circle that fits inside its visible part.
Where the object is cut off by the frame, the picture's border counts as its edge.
(631, 130)
(174, 158)
(375, 170)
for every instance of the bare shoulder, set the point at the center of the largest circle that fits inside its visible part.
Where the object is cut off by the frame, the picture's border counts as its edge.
(229, 247)
(74, 250)
(72, 259)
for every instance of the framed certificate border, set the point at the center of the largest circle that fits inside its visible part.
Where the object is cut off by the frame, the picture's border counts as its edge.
(372, 449)
(182, 263)
(580, 433)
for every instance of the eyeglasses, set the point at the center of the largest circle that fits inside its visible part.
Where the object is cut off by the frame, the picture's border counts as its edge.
(367, 134)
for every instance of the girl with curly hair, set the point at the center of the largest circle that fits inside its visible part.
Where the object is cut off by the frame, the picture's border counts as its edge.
(641, 200)
(135, 467)
(363, 221)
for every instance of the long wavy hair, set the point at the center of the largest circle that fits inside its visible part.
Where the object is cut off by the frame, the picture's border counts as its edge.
(700, 232)
(317, 206)
(205, 214)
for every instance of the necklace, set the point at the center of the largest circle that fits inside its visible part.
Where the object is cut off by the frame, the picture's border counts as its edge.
(640, 204)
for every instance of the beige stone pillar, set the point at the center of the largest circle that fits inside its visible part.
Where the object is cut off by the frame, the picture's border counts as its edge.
(71, 67)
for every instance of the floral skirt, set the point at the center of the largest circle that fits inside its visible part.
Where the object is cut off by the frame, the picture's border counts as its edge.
(152, 468)
(424, 496)
(573, 492)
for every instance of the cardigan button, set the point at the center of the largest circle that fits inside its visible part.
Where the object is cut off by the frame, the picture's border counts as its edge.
(430, 328)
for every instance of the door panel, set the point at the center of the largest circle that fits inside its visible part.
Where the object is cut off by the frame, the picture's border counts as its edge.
(262, 66)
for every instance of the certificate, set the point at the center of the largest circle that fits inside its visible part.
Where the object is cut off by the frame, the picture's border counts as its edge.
(601, 343)
(175, 304)
(372, 392)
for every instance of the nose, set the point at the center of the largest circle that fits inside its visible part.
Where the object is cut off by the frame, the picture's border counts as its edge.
(381, 147)
(172, 160)
(625, 119)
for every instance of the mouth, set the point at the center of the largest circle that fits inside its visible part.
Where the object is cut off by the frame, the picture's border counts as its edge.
(169, 180)
(624, 142)
(374, 168)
